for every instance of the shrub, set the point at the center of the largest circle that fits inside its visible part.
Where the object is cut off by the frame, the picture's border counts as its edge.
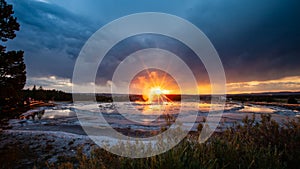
(292, 100)
(251, 144)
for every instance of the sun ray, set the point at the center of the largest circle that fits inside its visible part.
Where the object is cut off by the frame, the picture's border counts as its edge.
(154, 85)
(165, 75)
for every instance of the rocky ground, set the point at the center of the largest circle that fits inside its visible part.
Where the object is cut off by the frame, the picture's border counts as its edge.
(27, 148)
(36, 144)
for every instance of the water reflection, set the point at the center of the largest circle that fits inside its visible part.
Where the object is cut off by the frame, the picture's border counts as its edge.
(154, 117)
(52, 114)
(257, 109)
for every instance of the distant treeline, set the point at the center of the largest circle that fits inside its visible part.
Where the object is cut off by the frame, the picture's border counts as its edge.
(11, 107)
(172, 97)
(291, 98)
(117, 97)
(55, 95)
(46, 95)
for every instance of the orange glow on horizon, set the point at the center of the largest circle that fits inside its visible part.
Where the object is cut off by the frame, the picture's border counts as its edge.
(287, 84)
(154, 85)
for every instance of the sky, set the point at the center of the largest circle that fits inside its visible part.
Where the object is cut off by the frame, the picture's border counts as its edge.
(258, 41)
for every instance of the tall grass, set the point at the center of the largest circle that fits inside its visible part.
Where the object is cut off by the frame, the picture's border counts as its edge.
(251, 144)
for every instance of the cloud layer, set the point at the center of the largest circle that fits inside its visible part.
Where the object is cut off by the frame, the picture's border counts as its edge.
(256, 40)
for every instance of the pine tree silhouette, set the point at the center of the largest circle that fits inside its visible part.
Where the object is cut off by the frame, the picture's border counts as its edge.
(12, 66)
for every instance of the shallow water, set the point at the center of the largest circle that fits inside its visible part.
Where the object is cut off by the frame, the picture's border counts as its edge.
(139, 116)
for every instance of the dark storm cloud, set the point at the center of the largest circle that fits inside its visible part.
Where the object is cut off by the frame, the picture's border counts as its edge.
(135, 43)
(51, 37)
(256, 40)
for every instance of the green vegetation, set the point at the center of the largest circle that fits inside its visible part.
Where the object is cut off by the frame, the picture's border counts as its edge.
(14, 110)
(264, 144)
(12, 67)
(46, 95)
(133, 98)
(290, 98)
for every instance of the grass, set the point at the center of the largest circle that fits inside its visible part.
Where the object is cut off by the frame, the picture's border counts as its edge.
(251, 144)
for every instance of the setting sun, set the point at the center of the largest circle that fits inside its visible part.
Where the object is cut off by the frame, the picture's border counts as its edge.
(158, 91)
(157, 94)
(154, 86)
